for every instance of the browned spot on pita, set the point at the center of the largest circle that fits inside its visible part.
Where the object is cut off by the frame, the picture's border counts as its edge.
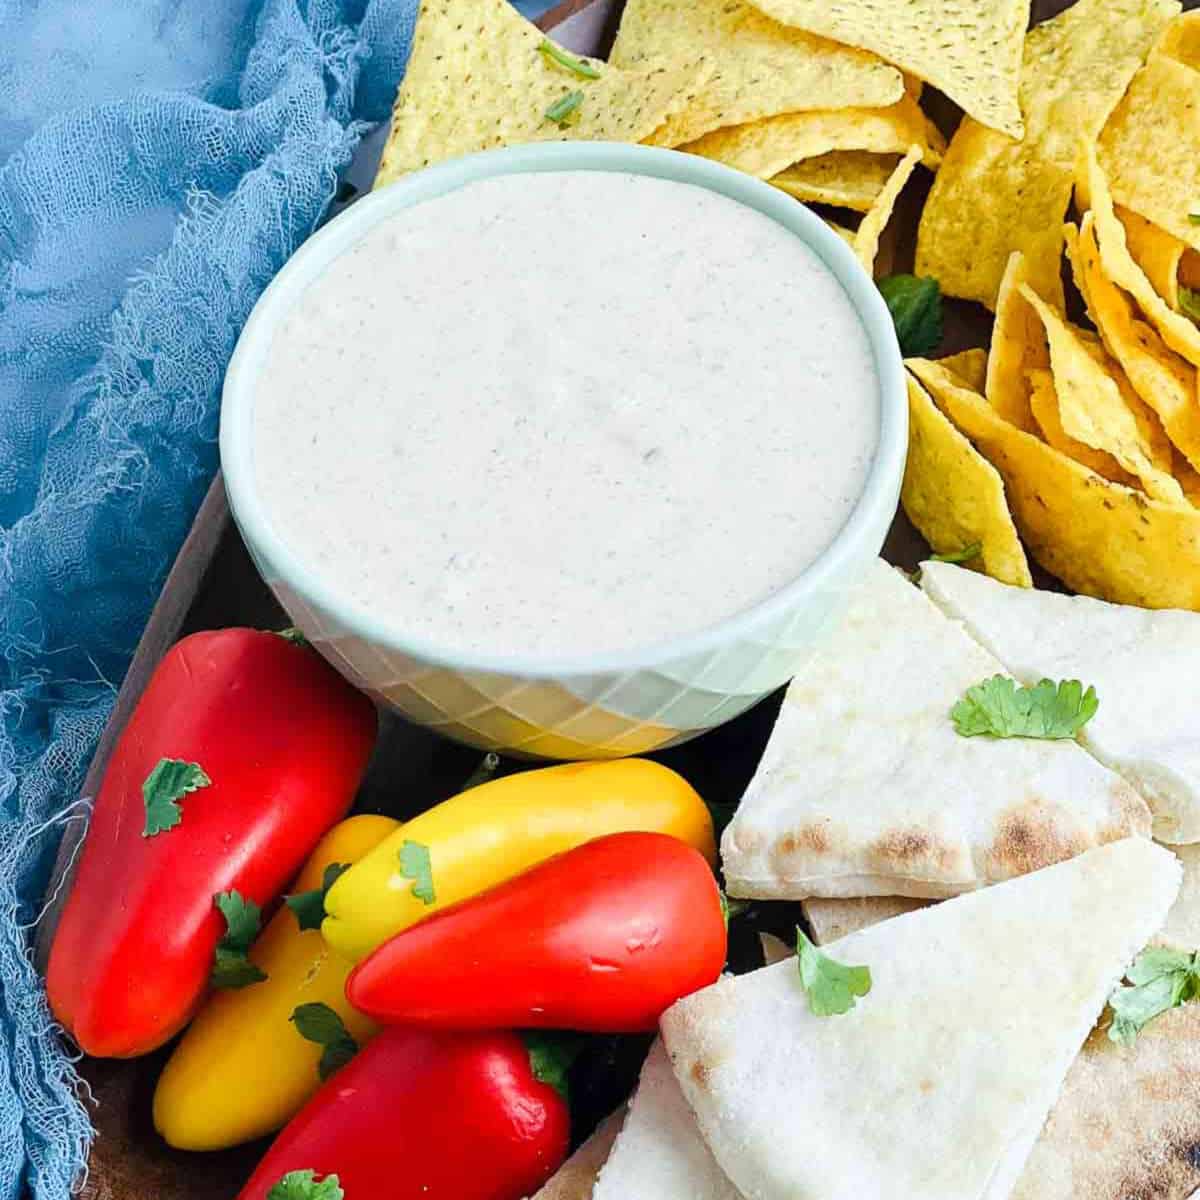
(700, 1073)
(1129, 814)
(1029, 836)
(926, 1086)
(910, 850)
(814, 838)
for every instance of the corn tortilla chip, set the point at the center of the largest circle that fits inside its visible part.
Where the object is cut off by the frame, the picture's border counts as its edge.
(475, 80)
(1043, 400)
(969, 49)
(847, 235)
(1150, 149)
(844, 178)
(866, 240)
(760, 68)
(1156, 251)
(1177, 330)
(1164, 380)
(993, 195)
(1018, 347)
(968, 365)
(1094, 410)
(1099, 538)
(1189, 479)
(765, 148)
(955, 497)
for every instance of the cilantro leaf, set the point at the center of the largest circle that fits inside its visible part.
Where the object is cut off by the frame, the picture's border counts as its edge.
(291, 634)
(309, 907)
(832, 987)
(1189, 302)
(974, 550)
(551, 1055)
(304, 1185)
(916, 308)
(552, 53)
(415, 865)
(164, 787)
(320, 1024)
(999, 708)
(565, 110)
(232, 967)
(1159, 980)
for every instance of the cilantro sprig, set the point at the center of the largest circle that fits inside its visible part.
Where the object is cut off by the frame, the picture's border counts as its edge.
(832, 987)
(997, 707)
(232, 967)
(320, 1024)
(1189, 302)
(415, 865)
(965, 555)
(551, 1054)
(1160, 979)
(304, 1185)
(916, 308)
(577, 66)
(164, 787)
(565, 110)
(309, 907)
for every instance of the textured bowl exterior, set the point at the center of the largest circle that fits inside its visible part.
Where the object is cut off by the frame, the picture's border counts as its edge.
(592, 707)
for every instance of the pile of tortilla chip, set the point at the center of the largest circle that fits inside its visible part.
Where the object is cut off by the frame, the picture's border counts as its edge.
(1079, 435)
(821, 101)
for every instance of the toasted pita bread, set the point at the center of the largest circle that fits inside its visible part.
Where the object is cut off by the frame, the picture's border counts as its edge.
(865, 788)
(576, 1178)
(1140, 662)
(1127, 1121)
(937, 1083)
(831, 920)
(659, 1153)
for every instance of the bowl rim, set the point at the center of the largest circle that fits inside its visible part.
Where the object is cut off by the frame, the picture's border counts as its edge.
(879, 491)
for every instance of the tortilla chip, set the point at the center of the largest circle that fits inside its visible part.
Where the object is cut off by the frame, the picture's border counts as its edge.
(847, 235)
(1099, 538)
(760, 68)
(866, 240)
(1150, 149)
(1164, 380)
(1177, 330)
(475, 80)
(1156, 251)
(1189, 479)
(765, 148)
(955, 497)
(1018, 347)
(968, 365)
(1096, 412)
(993, 195)
(1043, 400)
(843, 178)
(967, 49)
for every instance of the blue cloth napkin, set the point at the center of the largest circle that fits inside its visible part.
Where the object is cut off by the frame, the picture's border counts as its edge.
(159, 161)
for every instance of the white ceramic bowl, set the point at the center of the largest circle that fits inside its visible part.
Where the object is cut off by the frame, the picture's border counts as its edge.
(603, 705)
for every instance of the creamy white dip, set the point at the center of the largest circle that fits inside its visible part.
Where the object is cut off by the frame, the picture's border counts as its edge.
(566, 413)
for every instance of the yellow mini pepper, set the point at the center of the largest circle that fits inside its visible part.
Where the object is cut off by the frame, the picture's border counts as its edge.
(242, 1069)
(497, 830)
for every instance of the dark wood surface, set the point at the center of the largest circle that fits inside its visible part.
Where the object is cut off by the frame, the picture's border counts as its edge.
(214, 584)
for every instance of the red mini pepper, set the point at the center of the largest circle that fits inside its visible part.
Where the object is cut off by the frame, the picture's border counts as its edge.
(427, 1116)
(602, 939)
(272, 743)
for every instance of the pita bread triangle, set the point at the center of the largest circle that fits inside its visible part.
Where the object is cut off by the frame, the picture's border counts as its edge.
(865, 788)
(937, 1083)
(1127, 1121)
(1143, 665)
(659, 1153)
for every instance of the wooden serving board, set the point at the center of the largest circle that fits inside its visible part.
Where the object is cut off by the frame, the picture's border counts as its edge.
(213, 584)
